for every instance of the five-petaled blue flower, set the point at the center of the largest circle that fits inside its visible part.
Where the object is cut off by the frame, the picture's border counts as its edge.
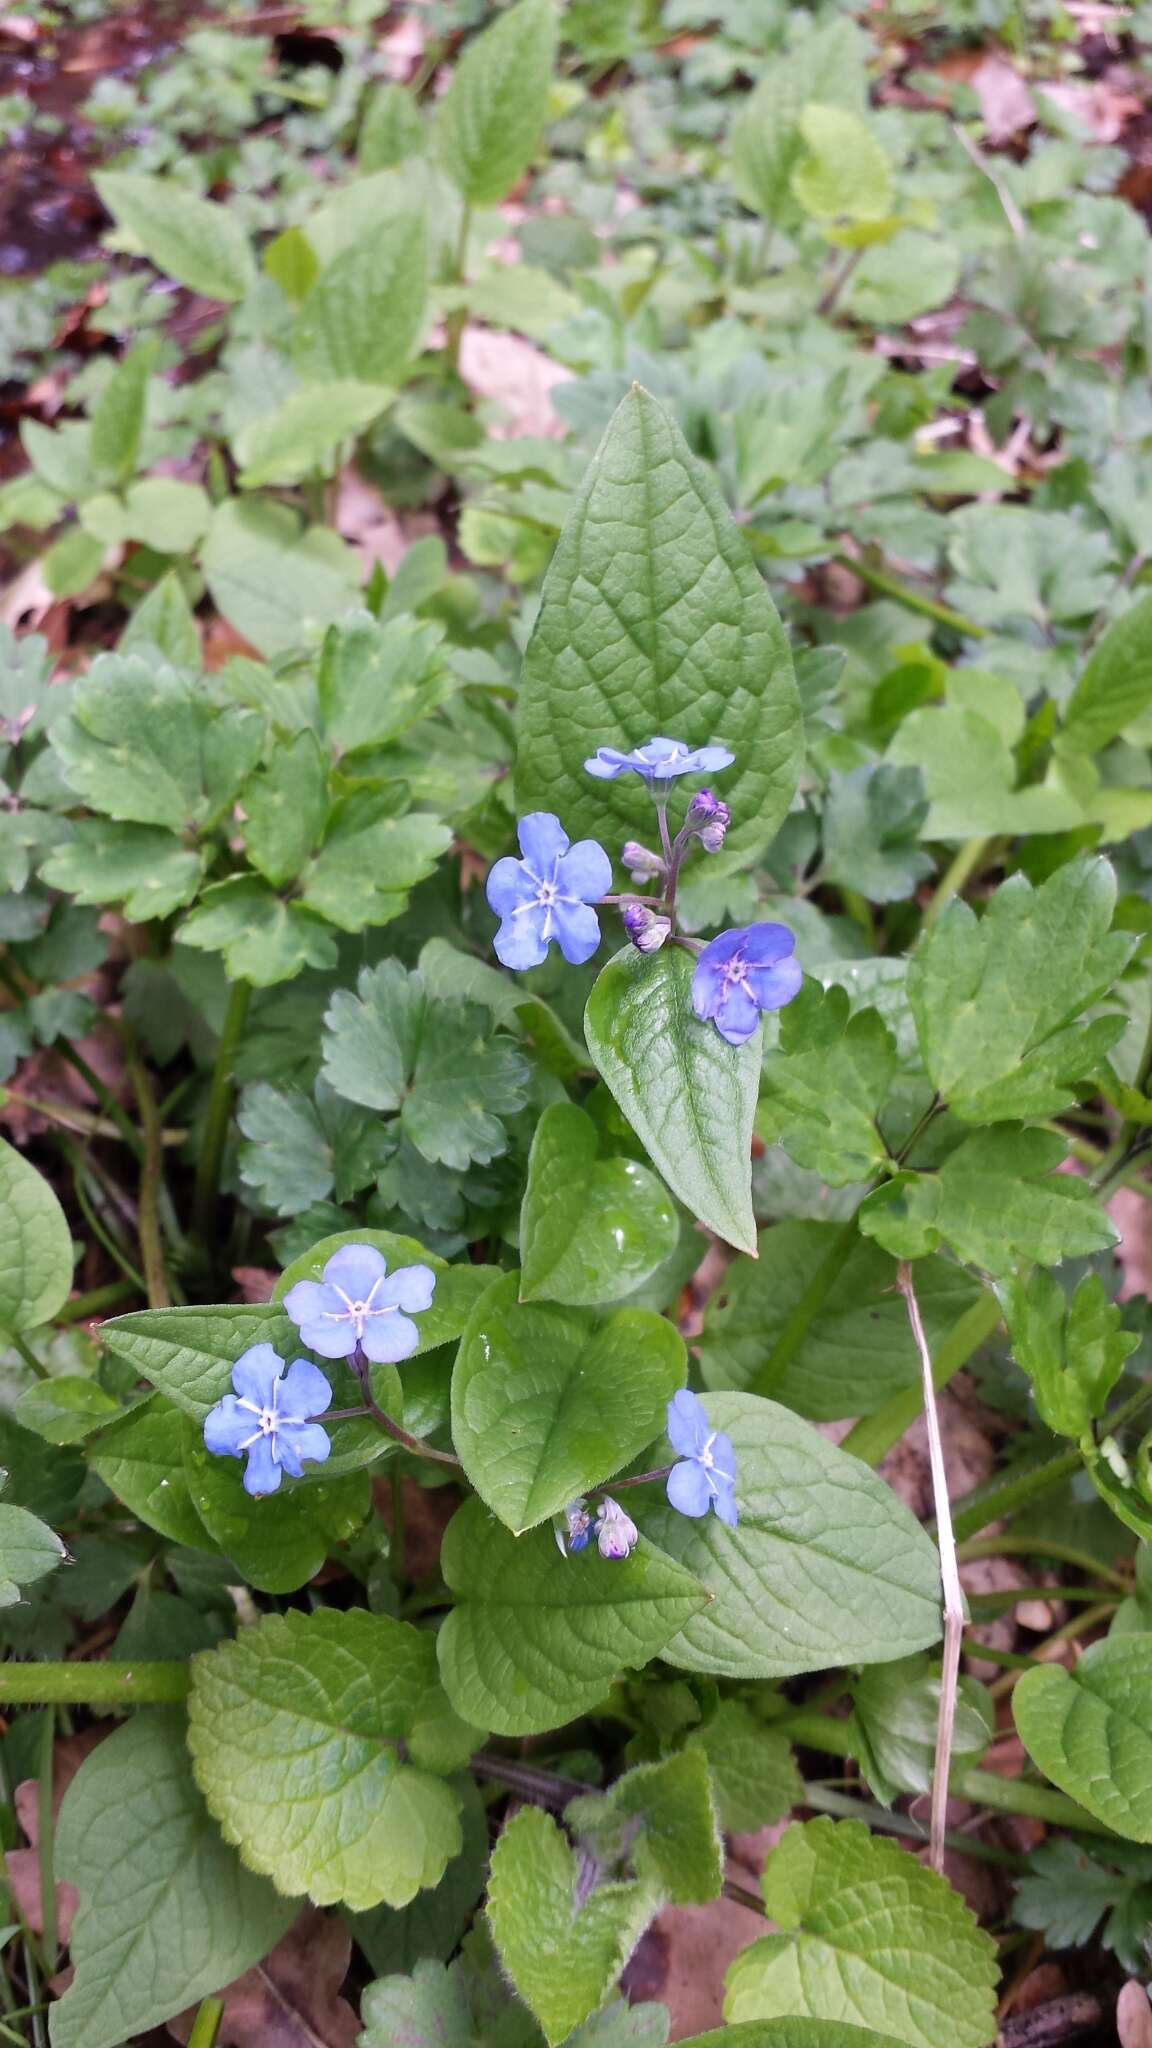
(547, 895)
(269, 1417)
(742, 972)
(357, 1302)
(706, 1475)
(659, 760)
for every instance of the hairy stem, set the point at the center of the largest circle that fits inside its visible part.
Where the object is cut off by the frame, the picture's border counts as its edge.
(46, 1841)
(109, 1684)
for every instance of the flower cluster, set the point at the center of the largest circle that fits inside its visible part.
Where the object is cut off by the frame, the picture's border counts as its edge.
(356, 1310)
(547, 896)
(703, 1477)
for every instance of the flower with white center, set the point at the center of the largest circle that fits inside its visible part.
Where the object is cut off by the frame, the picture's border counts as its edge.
(358, 1305)
(269, 1418)
(658, 761)
(546, 896)
(706, 1475)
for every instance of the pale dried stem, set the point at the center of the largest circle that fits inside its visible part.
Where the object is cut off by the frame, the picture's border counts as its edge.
(949, 1580)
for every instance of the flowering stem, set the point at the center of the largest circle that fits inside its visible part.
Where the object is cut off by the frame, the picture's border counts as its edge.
(219, 1115)
(661, 802)
(643, 1478)
(414, 1444)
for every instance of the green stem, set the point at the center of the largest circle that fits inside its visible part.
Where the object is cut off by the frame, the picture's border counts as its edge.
(82, 1306)
(112, 1110)
(93, 1685)
(874, 1435)
(987, 1504)
(25, 1351)
(1043, 1546)
(842, 1806)
(151, 1170)
(46, 1843)
(799, 1322)
(912, 600)
(219, 1115)
(963, 866)
(99, 1232)
(206, 2025)
(1079, 1625)
(457, 321)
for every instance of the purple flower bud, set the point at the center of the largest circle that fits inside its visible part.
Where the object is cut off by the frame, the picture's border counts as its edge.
(642, 864)
(576, 1530)
(646, 928)
(616, 1532)
(709, 818)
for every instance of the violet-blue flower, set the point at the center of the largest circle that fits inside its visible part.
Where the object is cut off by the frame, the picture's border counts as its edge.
(658, 760)
(616, 1532)
(547, 894)
(269, 1418)
(577, 1528)
(742, 972)
(357, 1302)
(706, 1475)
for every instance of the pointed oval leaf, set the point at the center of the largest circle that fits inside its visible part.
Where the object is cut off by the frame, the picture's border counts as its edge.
(35, 1246)
(193, 240)
(591, 1229)
(1090, 1730)
(488, 123)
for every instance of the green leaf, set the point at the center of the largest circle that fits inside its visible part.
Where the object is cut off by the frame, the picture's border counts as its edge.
(827, 64)
(66, 1408)
(302, 436)
(825, 1084)
(854, 1351)
(284, 809)
(896, 1709)
(488, 124)
(562, 1952)
(446, 972)
(276, 581)
(164, 620)
(1115, 687)
(432, 1923)
(187, 1919)
(296, 1731)
(971, 776)
(871, 823)
(140, 1458)
(591, 1229)
(845, 173)
(655, 618)
(997, 1199)
(689, 1096)
(35, 1246)
(996, 999)
(118, 415)
(141, 866)
(791, 2033)
(869, 1935)
(390, 1048)
(536, 1638)
(29, 1550)
(754, 1774)
(899, 280)
(390, 130)
(165, 514)
(660, 1818)
(1090, 1730)
(1072, 1351)
(364, 316)
(277, 1544)
(263, 939)
(371, 857)
(148, 746)
(548, 1401)
(72, 562)
(826, 1567)
(188, 1353)
(376, 680)
(193, 240)
(291, 261)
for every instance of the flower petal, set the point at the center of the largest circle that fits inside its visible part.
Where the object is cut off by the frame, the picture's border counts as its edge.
(688, 1489)
(307, 1301)
(687, 1425)
(720, 950)
(774, 986)
(766, 943)
(607, 763)
(542, 841)
(388, 1339)
(585, 871)
(262, 1473)
(509, 884)
(332, 1338)
(227, 1427)
(738, 1015)
(520, 941)
(409, 1287)
(723, 1457)
(709, 760)
(255, 1374)
(577, 931)
(724, 1502)
(298, 1441)
(355, 1269)
(304, 1391)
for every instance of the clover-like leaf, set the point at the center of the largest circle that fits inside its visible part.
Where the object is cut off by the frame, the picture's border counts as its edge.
(150, 871)
(825, 1084)
(1072, 1351)
(996, 1200)
(263, 939)
(297, 1730)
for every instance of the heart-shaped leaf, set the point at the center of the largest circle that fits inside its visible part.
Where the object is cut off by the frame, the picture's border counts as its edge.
(591, 1229)
(1090, 1730)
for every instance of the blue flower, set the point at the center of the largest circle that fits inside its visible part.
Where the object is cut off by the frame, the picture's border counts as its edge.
(576, 1530)
(268, 1417)
(546, 895)
(706, 1475)
(357, 1302)
(743, 972)
(660, 760)
(616, 1532)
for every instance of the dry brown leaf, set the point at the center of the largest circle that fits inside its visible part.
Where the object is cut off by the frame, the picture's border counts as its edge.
(255, 1283)
(1006, 102)
(292, 1999)
(518, 377)
(24, 1864)
(1134, 2016)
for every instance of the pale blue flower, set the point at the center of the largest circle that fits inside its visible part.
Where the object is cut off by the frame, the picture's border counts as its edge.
(706, 1476)
(742, 972)
(358, 1303)
(546, 895)
(658, 761)
(269, 1418)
